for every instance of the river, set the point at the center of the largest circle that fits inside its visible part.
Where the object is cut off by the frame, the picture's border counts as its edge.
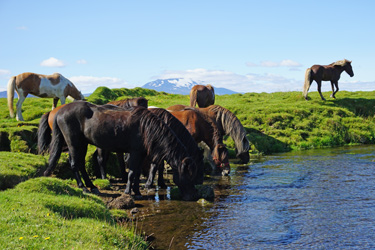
(314, 199)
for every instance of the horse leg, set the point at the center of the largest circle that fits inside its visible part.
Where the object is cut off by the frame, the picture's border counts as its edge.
(334, 84)
(122, 165)
(161, 182)
(151, 175)
(102, 158)
(55, 101)
(135, 161)
(21, 99)
(320, 89)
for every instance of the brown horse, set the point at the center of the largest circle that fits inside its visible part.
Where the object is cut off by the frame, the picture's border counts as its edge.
(202, 95)
(203, 128)
(136, 131)
(228, 124)
(330, 73)
(131, 102)
(53, 86)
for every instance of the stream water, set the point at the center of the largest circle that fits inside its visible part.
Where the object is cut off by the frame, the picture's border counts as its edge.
(315, 199)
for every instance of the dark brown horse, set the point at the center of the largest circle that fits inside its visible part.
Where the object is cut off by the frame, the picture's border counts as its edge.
(330, 73)
(137, 131)
(185, 137)
(46, 121)
(202, 95)
(228, 124)
(203, 128)
(149, 167)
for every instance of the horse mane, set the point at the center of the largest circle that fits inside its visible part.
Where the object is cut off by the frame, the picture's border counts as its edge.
(217, 136)
(231, 126)
(341, 63)
(138, 101)
(159, 140)
(179, 129)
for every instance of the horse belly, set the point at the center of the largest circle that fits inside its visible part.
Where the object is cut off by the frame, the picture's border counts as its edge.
(47, 89)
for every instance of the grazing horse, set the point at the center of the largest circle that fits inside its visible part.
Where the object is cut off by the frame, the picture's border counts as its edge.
(185, 137)
(329, 72)
(228, 124)
(53, 86)
(202, 95)
(203, 128)
(136, 131)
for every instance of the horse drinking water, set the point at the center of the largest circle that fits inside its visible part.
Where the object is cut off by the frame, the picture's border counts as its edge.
(329, 72)
(53, 86)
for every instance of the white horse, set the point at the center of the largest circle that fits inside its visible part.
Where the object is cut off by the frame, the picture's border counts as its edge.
(53, 86)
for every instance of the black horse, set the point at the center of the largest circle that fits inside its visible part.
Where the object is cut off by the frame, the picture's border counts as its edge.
(138, 132)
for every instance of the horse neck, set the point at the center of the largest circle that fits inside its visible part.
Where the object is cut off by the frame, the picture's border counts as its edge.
(74, 92)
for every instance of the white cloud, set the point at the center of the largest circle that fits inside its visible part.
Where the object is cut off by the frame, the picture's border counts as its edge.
(22, 28)
(268, 64)
(52, 62)
(4, 72)
(88, 84)
(82, 61)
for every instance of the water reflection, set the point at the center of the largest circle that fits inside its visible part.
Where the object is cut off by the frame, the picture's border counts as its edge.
(317, 199)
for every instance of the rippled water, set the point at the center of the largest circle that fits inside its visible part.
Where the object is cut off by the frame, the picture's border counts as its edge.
(316, 199)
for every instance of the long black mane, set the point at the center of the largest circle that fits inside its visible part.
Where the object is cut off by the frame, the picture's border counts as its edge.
(160, 142)
(180, 130)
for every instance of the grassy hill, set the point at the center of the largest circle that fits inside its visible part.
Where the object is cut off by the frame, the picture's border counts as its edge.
(275, 122)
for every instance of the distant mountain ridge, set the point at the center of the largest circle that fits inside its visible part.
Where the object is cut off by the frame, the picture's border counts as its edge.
(181, 86)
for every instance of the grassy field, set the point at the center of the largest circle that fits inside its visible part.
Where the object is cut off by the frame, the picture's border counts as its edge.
(47, 213)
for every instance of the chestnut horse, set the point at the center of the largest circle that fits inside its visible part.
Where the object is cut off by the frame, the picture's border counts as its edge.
(228, 124)
(53, 86)
(330, 73)
(202, 95)
(203, 128)
(136, 131)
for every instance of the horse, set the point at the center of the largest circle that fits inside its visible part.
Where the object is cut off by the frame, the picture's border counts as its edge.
(329, 72)
(228, 124)
(204, 129)
(53, 86)
(136, 131)
(131, 102)
(202, 95)
(185, 137)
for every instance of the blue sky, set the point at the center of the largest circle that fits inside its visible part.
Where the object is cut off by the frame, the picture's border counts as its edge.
(246, 46)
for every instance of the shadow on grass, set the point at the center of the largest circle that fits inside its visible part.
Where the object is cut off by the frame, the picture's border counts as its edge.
(359, 106)
(266, 144)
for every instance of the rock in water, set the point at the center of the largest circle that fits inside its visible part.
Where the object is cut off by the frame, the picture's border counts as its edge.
(125, 201)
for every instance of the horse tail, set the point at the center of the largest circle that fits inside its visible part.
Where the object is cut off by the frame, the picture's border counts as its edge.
(44, 134)
(307, 84)
(10, 94)
(193, 98)
(210, 87)
(55, 148)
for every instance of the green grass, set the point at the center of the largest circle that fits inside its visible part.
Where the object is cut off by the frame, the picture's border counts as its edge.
(47, 213)
(18, 167)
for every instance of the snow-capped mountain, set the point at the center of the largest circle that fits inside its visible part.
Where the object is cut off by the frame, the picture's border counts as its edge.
(181, 86)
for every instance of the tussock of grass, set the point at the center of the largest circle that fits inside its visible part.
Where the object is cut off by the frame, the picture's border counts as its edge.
(18, 167)
(46, 213)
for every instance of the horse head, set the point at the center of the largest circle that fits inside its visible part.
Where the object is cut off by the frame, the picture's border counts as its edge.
(348, 68)
(244, 157)
(185, 178)
(220, 158)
